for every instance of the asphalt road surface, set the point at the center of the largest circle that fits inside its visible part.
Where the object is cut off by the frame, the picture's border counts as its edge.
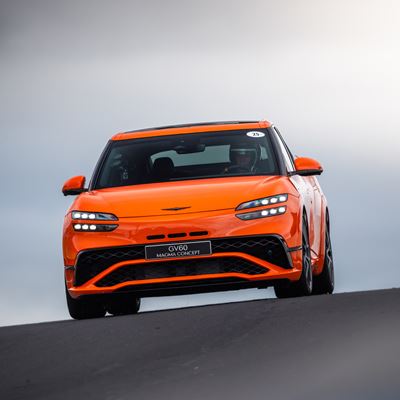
(345, 346)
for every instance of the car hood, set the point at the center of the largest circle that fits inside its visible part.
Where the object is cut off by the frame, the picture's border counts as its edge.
(171, 198)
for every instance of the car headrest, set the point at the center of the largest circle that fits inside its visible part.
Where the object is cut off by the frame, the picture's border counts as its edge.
(163, 168)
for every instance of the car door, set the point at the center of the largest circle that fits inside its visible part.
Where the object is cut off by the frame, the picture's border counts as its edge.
(317, 211)
(307, 187)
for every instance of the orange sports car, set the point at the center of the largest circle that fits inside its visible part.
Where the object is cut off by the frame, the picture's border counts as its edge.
(194, 208)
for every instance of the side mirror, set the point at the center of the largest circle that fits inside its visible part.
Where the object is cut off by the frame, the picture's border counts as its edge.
(73, 186)
(307, 167)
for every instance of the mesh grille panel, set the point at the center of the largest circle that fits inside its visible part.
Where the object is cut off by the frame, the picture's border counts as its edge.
(269, 248)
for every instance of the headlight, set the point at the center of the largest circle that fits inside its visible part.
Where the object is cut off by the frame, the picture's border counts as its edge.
(94, 227)
(266, 201)
(268, 212)
(93, 216)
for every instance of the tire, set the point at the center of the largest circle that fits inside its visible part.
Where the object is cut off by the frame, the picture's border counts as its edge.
(324, 283)
(123, 304)
(84, 308)
(304, 286)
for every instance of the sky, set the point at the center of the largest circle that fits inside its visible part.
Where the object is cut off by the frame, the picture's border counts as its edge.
(73, 73)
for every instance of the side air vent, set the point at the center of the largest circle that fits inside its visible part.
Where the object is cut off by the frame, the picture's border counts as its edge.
(155, 237)
(176, 235)
(199, 233)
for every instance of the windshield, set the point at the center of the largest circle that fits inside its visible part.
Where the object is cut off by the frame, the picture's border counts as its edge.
(188, 156)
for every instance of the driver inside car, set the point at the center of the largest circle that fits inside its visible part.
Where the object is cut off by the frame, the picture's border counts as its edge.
(243, 157)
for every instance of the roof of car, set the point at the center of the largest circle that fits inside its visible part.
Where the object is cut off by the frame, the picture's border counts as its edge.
(191, 128)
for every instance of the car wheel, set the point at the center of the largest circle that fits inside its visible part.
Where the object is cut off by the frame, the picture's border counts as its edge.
(304, 286)
(84, 308)
(123, 304)
(325, 282)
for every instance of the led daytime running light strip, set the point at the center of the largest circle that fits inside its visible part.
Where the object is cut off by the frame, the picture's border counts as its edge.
(279, 198)
(94, 227)
(84, 215)
(268, 212)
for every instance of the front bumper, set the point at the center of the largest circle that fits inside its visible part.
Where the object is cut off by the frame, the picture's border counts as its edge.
(246, 252)
(247, 261)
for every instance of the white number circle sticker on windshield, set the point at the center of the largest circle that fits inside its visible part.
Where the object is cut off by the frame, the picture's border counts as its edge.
(255, 134)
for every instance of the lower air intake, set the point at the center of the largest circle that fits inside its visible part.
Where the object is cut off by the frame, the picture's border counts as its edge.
(171, 269)
(266, 247)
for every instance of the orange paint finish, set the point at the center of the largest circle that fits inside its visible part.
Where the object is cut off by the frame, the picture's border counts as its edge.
(208, 206)
(274, 272)
(189, 129)
(74, 183)
(218, 224)
(306, 164)
(201, 195)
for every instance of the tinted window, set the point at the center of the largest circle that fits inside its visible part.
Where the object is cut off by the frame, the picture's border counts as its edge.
(211, 154)
(189, 156)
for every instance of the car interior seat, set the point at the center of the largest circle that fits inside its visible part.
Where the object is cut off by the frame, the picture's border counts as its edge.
(163, 169)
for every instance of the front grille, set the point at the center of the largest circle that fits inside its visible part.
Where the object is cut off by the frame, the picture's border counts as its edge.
(172, 269)
(90, 263)
(269, 248)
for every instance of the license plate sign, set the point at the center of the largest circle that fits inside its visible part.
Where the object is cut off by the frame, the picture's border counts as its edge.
(177, 250)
